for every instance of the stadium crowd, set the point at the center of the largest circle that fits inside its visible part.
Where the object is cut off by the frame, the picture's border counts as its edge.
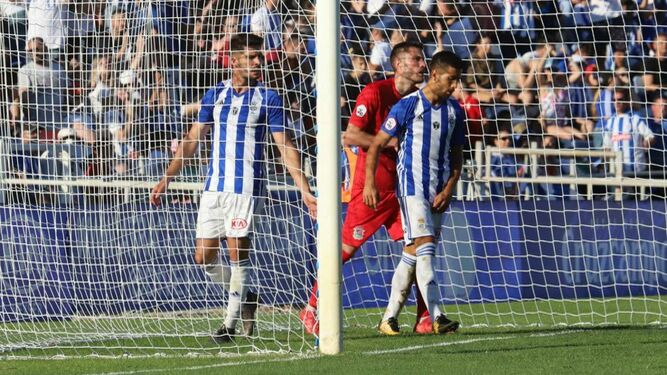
(123, 78)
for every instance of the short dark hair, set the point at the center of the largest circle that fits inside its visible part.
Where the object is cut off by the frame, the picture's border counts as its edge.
(240, 42)
(403, 47)
(444, 59)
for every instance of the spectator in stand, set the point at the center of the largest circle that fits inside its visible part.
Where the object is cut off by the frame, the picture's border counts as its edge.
(505, 165)
(379, 62)
(47, 19)
(555, 106)
(454, 31)
(220, 45)
(353, 82)
(267, 23)
(655, 76)
(353, 21)
(473, 117)
(658, 124)
(519, 22)
(608, 29)
(521, 72)
(484, 75)
(628, 133)
(39, 91)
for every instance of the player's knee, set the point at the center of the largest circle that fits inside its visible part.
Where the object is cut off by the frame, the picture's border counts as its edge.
(423, 240)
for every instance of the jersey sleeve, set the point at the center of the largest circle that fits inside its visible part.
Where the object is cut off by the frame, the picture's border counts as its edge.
(206, 108)
(459, 133)
(364, 111)
(398, 117)
(275, 112)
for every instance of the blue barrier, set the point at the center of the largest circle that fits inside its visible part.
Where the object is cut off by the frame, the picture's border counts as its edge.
(135, 258)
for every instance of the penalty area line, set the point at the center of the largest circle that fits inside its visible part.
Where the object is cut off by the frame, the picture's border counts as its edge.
(216, 365)
(469, 341)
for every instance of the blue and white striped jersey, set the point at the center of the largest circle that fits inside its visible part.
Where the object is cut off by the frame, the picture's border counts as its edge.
(519, 17)
(426, 133)
(626, 132)
(240, 125)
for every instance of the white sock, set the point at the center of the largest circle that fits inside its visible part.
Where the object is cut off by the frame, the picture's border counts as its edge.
(238, 287)
(219, 273)
(426, 279)
(400, 285)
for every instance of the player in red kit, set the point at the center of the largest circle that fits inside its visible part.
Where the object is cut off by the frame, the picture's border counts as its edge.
(373, 105)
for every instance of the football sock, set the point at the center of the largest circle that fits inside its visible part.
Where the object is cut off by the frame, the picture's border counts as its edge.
(400, 285)
(312, 301)
(238, 286)
(426, 278)
(219, 273)
(422, 309)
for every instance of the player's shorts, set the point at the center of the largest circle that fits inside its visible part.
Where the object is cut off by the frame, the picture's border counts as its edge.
(361, 221)
(418, 218)
(224, 214)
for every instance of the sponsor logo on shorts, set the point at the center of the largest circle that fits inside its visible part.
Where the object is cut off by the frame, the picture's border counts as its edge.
(421, 223)
(239, 223)
(358, 232)
(390, 124)
(361, 110)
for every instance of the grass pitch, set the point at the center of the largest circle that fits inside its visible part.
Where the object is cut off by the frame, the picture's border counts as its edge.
(588, 336)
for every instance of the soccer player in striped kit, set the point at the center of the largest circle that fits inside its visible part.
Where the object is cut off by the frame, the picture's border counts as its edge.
(241, 111)
(361, 222)
(430, 128)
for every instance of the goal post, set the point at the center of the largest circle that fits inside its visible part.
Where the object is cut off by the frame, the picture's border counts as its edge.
(328, 177)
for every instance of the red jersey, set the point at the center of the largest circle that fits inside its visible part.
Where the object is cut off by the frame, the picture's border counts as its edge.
(373, 105)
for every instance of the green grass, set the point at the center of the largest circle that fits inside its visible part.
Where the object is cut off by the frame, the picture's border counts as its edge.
(585, 336)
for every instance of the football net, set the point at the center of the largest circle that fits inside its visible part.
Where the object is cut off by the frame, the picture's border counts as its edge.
(559, 219)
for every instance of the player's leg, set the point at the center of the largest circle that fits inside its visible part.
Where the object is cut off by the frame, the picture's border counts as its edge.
(210, 228)
(238, 249)
(308, 315)
(242, 303)
(420, 224)
(361, 222)
(401, 283)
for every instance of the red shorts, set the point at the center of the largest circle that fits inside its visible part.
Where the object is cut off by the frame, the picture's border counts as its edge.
(361, 222)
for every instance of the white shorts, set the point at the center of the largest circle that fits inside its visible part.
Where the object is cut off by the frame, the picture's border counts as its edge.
(418, 219)
(224, 214)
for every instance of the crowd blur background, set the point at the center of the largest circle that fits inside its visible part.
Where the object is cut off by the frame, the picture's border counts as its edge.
(118, 81)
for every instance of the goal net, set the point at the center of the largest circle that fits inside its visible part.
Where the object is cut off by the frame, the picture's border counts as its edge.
(558, 220)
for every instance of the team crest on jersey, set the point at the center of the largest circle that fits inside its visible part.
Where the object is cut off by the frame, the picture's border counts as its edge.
(390, 124)
(421, 223)
(361, 110)
(436, 124)
(235, 111)
(358, 232)
(239, 223)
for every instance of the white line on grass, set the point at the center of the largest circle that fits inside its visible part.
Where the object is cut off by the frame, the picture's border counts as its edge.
(468, 341)
(228, 364)
(311, 356)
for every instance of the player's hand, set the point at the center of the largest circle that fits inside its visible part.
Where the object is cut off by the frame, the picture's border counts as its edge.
(371, 196)
(158, 191)
(442, 200)
(311, 203)
(393, 144)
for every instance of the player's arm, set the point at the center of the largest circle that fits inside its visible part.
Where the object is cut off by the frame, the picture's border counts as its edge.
(361, 128)
(371, 197)
(292, 160)
(442, 200)
(186, 150)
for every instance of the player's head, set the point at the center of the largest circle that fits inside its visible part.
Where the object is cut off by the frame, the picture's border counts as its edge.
(246, 56)
(445, 72)
(407, 59)
(37, 50)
